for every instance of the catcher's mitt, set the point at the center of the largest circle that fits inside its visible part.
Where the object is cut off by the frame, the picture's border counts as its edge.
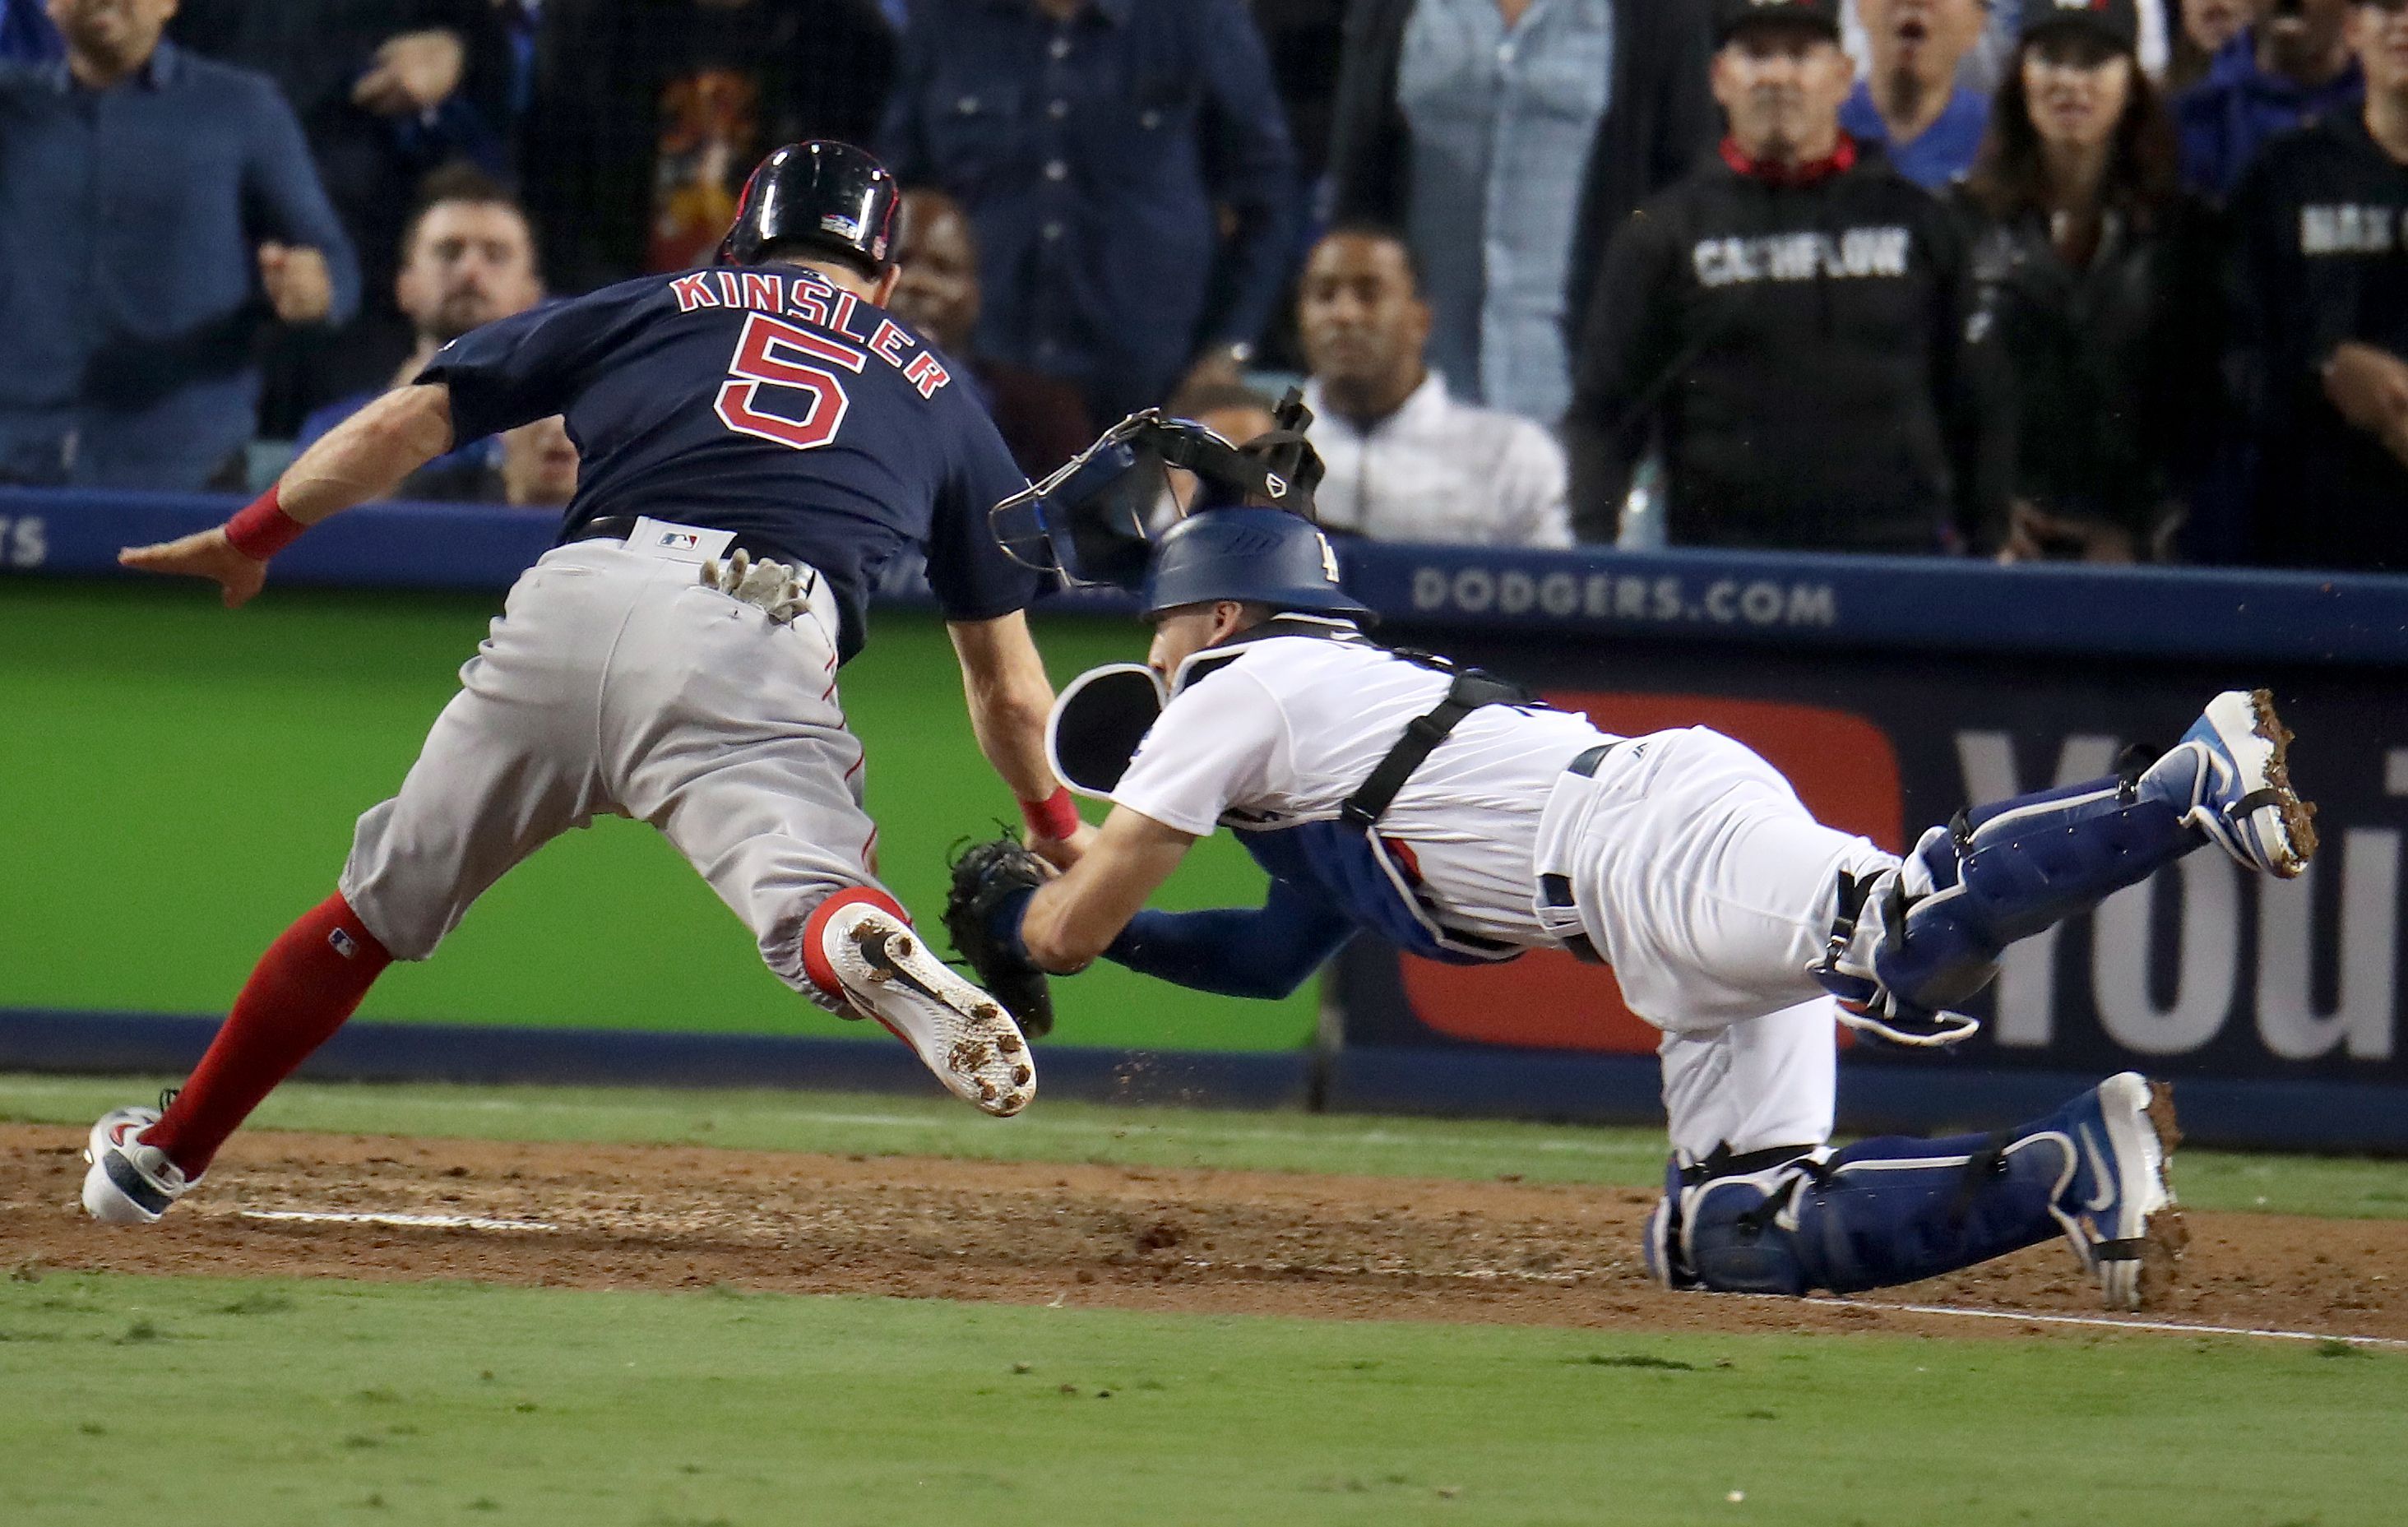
(985, 876)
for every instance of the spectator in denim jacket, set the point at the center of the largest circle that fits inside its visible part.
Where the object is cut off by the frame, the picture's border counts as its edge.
(157, 210)
(1508, 141)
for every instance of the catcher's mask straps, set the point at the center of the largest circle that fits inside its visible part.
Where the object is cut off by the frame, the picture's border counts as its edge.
(1097, 723)
(1087, 520)
(1287, 455)
(1035, 526)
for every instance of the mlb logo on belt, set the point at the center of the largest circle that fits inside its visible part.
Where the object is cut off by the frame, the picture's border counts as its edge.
(680, 540)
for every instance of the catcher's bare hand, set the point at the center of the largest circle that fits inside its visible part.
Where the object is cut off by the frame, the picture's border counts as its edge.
(207, 554)
(1060, 854)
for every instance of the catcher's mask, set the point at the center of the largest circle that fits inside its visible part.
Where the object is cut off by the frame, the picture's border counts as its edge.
(1089, 520)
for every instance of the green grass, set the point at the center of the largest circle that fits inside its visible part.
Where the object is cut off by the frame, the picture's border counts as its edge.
(205, 1402)
(267, 1402)
(2332, 1187)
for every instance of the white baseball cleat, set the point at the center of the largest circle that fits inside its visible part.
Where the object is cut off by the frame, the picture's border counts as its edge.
(2119, 1210)
(957, 1029)
(130, 1183)
(2231, 771)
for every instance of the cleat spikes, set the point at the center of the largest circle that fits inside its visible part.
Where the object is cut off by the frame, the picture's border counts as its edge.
(960, 1034)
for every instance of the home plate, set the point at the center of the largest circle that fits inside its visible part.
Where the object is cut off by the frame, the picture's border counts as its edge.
(414, 1222)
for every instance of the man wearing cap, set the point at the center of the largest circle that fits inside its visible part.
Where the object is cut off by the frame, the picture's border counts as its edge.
(2320, 317)
(1791, 344)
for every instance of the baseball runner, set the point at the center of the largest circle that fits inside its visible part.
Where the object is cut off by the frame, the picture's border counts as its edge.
(1443, 809)
(757, 440)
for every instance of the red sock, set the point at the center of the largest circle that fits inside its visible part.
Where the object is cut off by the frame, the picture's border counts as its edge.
(309, 980)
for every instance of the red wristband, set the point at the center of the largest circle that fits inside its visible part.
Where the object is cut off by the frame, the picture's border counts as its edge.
(262, 528)
(1055, 817)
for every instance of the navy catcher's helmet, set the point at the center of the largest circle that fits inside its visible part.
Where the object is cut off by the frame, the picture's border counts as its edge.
(829, 196)
(1262, 556)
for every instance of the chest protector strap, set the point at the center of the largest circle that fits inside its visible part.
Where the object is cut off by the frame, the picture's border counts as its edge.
(1347, 861)
(1471, 690)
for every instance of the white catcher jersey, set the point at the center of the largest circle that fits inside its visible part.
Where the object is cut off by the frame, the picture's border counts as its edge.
(1292, 726)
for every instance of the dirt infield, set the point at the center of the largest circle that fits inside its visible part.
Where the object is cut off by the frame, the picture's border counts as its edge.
(1150, 1239)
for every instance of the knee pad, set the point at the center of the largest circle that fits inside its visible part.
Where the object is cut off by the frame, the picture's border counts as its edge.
(1727, 1197)
(1880, 1212)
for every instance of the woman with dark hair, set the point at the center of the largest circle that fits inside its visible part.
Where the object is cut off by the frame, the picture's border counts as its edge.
(2094, 326)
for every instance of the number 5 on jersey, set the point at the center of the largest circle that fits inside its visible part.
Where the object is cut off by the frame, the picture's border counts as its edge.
(775, 355)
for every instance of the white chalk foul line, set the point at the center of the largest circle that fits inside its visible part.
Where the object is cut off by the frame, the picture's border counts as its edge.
(2184, 1327)
(417, 1221)
(1487, 1274)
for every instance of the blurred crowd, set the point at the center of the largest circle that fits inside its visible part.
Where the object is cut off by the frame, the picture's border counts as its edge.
(2102, 279)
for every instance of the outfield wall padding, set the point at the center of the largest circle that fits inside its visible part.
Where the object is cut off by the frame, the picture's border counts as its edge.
(147, 866)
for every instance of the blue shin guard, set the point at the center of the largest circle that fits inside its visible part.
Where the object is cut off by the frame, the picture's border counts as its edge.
(1909, 944)
(1897, 1210)
(2021, 866)
(1880, 1212)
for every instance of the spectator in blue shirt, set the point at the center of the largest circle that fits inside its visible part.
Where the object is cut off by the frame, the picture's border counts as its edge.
(1985, 67)
(26, 34)
(2293, 68)
(385, 91)
(1908, 99)
(156, 208)
(1100, 147)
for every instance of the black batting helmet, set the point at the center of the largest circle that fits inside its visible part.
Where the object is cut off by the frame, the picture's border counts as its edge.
(824, 196)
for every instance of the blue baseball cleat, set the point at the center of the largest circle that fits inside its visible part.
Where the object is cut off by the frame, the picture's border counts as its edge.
(2231, 776)
(2119, 1211)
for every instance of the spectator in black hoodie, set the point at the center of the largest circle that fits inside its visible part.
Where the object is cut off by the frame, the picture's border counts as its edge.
(2097, 309)
(1788, 327)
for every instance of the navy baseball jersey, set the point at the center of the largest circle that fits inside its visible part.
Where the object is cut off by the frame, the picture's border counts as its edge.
(766, 402)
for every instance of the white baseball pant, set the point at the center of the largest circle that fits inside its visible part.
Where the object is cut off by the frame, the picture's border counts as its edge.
(1702, 880)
